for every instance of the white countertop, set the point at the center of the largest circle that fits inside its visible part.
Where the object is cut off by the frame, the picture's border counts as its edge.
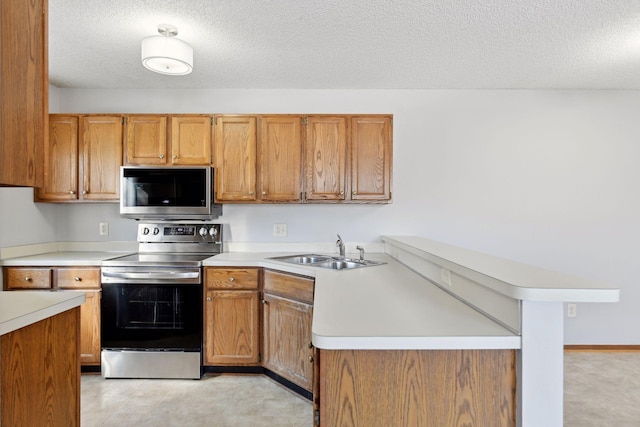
(513, 279)
(22, 308)
(63, 258)
(384, 307)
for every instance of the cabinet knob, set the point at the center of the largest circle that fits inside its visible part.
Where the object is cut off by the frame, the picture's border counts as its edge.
(27, 279)
(208, 298)
(354, 193)
(310, 344)
(161, 156)
(310, 359)
(72, 192)
(342, 193)
(77, 279)
(232, 279)
(175, 157)
(251, 193)
(84, 192)
(264, 301)
(264, 193)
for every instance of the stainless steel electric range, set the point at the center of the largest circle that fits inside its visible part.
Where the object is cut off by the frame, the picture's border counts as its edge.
(151, 307)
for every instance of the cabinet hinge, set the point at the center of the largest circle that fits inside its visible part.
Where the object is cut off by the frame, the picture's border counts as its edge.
(304, 120)
(316, 417)
(213, 121)
(122, 119)
(260, 357)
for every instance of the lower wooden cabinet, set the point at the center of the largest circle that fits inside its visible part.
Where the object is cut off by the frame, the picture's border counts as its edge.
(232, 316)
(90, 329)
(69, 279)
(288, 311)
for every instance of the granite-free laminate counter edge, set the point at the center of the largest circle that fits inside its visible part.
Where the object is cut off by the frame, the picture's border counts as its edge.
(23, 308)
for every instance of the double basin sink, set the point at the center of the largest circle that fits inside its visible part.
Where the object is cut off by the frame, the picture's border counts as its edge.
(326, 261)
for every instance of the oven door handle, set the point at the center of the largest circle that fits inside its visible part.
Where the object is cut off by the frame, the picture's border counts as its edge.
(153, 275)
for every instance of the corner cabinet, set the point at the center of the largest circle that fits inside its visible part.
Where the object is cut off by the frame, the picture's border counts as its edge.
(83, 156)
(288, 311)
(232, 316)
(24, 91)
(168, 140)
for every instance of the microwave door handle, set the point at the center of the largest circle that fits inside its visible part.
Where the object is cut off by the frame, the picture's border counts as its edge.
(153, 275)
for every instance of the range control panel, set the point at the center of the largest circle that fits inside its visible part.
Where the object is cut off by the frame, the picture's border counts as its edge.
(179, 233)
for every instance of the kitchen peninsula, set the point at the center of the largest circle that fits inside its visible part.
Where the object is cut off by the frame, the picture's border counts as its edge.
(488, 332)
(39, 358)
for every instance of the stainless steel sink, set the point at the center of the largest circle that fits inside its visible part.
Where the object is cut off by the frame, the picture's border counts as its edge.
(326, 261)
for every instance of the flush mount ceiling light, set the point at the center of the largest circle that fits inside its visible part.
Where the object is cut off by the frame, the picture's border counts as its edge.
(166, 54)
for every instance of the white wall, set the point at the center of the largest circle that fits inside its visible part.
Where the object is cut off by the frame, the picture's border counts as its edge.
(549, 178)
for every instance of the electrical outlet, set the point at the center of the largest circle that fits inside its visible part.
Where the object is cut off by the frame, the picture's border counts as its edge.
(571, 310)
(445, 276)
(280, 230)
(104, 228)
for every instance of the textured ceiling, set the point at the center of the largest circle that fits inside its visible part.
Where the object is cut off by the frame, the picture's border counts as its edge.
(353, 44)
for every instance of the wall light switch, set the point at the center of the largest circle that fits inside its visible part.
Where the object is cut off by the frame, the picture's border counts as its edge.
(104, 228)
(280, 230)
(571, 310)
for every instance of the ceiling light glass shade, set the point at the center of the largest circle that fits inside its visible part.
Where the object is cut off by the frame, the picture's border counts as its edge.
(167, 55)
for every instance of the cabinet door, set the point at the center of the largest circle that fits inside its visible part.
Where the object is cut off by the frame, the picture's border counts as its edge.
(90, 329)
(146, 140)
(60, 160)
(191, 140)
(371, 158)
(326, 158)
(232, 329)
(280, 159)
(288, 351)
(101, 157)
(24, 91)
(235, 158)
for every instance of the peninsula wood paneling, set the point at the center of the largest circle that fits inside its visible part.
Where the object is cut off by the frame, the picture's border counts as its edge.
(418, 388)
(40, 366)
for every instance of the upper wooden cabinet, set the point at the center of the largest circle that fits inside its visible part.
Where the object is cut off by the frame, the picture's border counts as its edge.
(316, 159)
(60, 160)
(235, 158)
(326, 158)
(83, 158)
(280, 159)
(151, 138)
(24, 91)
(371, 158)
(146, 140)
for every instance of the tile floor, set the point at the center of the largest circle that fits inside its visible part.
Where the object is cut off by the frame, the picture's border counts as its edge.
(601, 389)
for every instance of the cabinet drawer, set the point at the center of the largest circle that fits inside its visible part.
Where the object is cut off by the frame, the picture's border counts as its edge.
(289, 286)
(232, 278)
(78, 278)
(27, 278)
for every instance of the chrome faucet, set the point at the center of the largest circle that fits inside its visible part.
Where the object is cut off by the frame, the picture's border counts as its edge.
(361, 249)
(340, 244)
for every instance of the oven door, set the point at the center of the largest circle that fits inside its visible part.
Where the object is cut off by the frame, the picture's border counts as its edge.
(151, 316)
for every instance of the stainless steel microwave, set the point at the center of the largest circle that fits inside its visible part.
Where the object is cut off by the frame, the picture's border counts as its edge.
(168, 193)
